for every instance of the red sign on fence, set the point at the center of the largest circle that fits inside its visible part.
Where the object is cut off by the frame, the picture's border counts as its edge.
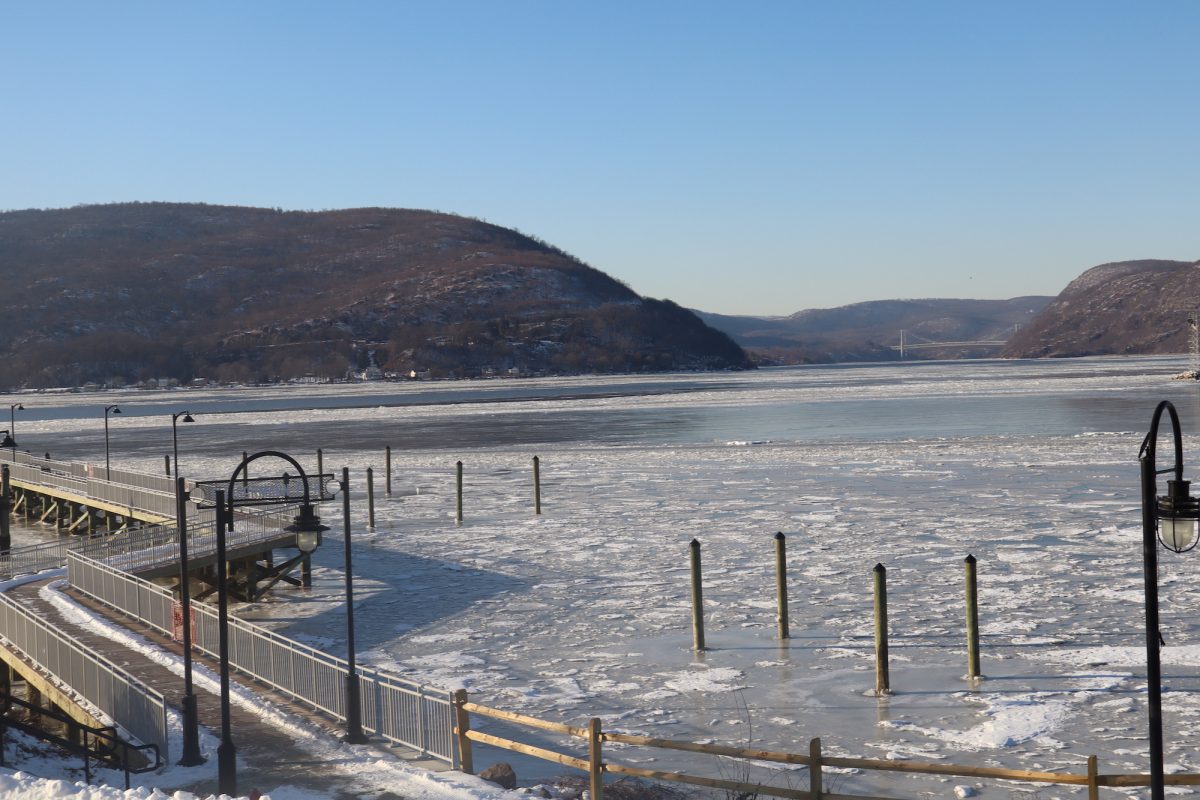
(177, 620)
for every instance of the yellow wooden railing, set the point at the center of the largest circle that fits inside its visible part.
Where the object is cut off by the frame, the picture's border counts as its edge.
(595, 765)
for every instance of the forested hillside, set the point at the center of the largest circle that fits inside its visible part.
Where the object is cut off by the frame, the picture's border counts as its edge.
(127, 292)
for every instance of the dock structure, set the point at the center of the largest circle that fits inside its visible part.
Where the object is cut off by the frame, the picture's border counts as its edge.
(129, 523)
(135, 575)
(83, 498)
(129, 519)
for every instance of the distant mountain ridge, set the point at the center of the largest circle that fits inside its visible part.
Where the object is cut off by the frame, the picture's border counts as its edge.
(868, 331)
(1125, 307)
(125, 292)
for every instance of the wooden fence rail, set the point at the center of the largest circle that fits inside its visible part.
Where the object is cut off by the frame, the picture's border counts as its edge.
(596, 766)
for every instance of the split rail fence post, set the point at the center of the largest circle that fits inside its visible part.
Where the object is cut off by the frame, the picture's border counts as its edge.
(697, 597)
(595, 761)
(370, 498)
(781, 593)
(814, 769)
(387, 457)
(537, 485)
(462, 724)
(972, 591)
(458, 495)
(1093, 778)
(882, 682)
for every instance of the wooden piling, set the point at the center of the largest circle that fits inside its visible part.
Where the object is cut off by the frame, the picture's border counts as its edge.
(781, 593)
(815, 786)
(245, 473)
(33, 695)
(320, 462)
(697, 598)
(370, 498)
(882, 682)
(462, 726)
(458, 517)
(972, 592)
(167, 462)
(387, 458)
(595, 760)
(250, 568)
(537, 485)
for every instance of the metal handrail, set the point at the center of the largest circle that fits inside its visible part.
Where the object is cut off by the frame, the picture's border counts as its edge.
(406, 712)
(48, 555)
(129, 702)
(135, 490)
(104, 747)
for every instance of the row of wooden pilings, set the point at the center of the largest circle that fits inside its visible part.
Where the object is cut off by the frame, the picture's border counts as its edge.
(879, 581)
(458, 493)
(387, 483)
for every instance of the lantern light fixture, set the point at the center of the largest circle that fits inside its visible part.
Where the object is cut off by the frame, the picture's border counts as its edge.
(1178, 514)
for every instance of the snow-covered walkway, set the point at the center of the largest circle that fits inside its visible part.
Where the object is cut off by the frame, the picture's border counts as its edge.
(279, 744)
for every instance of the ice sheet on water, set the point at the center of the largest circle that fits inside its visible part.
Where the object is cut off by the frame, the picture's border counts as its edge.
(600, 580)
(1114, 656)
(703, 680)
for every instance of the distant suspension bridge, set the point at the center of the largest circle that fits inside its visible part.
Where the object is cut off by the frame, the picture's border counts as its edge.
(925, 344)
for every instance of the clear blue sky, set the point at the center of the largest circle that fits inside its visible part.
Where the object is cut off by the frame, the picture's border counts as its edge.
(752, 157)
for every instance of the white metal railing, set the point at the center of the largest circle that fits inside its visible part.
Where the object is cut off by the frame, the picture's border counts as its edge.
(19, 457)
(160, 484)
(155, 550)
(50, 555)
(35, 558)
(405, 712)
(136, 491)
(131, 704)
(132, 497)
(143, 548)
(43, 476)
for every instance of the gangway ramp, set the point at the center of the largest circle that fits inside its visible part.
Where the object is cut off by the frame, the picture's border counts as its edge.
(270, 755)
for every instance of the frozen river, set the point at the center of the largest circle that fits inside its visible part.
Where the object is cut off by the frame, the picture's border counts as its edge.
(1030, 466)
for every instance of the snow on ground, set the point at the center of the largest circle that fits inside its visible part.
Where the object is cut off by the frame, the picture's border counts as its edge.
(584, 611)
(362, 769)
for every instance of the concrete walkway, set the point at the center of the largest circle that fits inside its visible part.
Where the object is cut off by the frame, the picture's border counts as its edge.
(268, 757)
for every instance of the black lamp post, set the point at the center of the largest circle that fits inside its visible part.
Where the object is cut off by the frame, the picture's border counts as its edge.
(191, 721)
(107, 462)
(354, 731)
(308, 536)
(1172, 520)
(307, 527)
(187, 417)
(10, 435)
(306, 520)
(226, 752)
